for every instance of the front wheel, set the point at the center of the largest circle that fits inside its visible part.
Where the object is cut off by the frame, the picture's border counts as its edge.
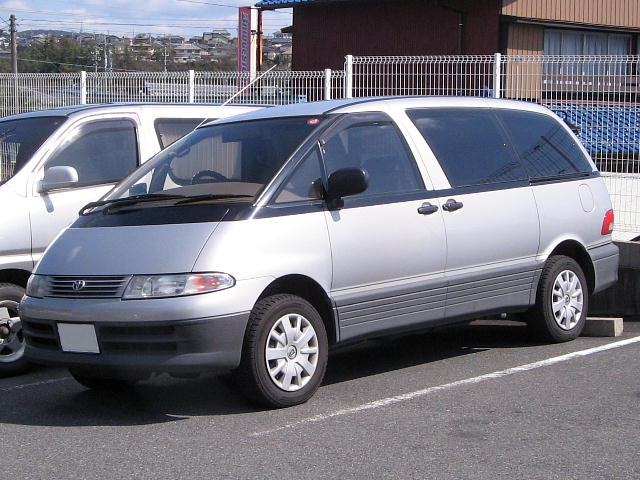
(562, 301)
(285, 352)
(12, 361)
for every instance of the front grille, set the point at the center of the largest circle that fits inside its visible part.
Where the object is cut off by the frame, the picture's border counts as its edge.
(86, 287)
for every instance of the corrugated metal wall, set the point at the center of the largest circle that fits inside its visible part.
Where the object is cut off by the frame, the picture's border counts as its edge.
(525, 39)
(620, 13)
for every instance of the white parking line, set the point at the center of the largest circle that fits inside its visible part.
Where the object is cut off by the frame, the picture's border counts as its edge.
(448, 386)
(35, 384)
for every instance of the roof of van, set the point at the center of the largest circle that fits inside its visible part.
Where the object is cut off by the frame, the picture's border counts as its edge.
(373, 103)
(72, 109)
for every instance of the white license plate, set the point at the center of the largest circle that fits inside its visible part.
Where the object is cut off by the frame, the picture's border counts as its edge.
(78, 338)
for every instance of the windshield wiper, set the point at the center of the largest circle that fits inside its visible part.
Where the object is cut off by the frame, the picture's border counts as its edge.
(148, 197)
(202, 198)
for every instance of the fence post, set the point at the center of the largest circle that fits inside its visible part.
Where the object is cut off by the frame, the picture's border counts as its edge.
(497, 75)
(348, 76)
(83, 87)
(192, 86)
(327, 84)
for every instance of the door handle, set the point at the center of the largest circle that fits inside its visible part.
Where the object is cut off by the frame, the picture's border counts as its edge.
(451, 205)
(427, 209)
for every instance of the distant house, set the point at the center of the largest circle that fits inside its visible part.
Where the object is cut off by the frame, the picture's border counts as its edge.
(187, 53)
(324, 31)
(170, 40)
(217, 38)
(142, 45)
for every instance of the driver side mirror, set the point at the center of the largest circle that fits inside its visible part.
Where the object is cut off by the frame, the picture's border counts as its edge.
(343, 183)
(58, 177)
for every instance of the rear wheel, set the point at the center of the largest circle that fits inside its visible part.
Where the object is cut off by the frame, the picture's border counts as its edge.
(562, 301)
(12, 361)
(285, 352)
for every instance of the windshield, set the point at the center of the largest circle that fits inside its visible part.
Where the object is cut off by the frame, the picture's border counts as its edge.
(231, 160)
(19, 139)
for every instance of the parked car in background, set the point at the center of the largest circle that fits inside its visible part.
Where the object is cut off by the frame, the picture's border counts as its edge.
(52, 162)
(256, 242)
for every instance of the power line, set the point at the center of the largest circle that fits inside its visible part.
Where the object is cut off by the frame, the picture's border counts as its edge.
(72, 64)
(224, 5)
(166, 25)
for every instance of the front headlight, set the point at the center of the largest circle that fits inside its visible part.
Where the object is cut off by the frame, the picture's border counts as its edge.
(163, 286)
(36, 286)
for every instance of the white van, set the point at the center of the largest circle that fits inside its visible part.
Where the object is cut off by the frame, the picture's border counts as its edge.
(52, 162)
(256, 242)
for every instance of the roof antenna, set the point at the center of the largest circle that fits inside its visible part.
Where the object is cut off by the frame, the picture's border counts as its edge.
(247, 85)
(239, 92)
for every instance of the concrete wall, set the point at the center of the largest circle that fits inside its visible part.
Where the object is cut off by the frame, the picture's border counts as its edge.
(622, 299)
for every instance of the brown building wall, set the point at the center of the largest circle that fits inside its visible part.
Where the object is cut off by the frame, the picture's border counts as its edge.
(525, 39)
(523, 79)
(617, 13)
(324, 34)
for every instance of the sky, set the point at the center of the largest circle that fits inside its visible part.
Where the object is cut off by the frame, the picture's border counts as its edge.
(126, 17)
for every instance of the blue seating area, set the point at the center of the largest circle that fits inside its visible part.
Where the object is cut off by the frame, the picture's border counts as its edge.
(604, 129)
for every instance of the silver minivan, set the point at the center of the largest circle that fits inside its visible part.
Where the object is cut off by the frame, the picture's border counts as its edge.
(254, 243)
(52, 162)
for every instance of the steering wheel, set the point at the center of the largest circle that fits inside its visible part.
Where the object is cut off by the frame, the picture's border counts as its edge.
(208, 176)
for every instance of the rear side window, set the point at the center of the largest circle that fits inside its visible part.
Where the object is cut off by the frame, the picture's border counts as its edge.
(104, 151)
(169, 130)
(544, 146)
(377, 148)
(469, 145)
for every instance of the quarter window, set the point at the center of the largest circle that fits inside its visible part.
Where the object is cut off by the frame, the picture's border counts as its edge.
(469, 144)
(543, 144)
(101, 152)
(378, 149)
(305, 182)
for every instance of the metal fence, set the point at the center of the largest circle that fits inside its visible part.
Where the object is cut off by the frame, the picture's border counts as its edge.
(596, 94)
(30, 91)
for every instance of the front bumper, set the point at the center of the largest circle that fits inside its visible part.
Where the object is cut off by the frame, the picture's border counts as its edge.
(179, 346)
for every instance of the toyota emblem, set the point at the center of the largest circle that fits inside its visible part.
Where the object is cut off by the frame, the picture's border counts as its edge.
(78, 285)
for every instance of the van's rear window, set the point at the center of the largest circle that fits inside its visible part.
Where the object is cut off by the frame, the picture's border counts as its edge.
(545, 147)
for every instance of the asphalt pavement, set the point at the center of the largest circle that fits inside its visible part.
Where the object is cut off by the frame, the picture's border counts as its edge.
(481, 401)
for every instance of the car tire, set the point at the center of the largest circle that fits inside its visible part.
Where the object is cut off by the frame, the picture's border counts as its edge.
(285, 351)
(12, 359)
(100, 383)
(562, 301)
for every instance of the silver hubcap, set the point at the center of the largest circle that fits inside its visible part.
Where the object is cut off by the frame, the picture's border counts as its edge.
(11, 342)
(567, 300)
(292, 352)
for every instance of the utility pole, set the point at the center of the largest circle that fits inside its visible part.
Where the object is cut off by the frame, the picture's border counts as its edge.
(259, 34)
(14, 62)
(14, 46)
(95, 53)
(165, 55)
